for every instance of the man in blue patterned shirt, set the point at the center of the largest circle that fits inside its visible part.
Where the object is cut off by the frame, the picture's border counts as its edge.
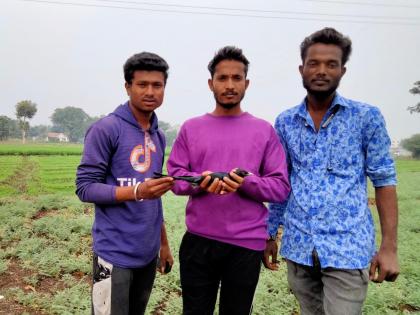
(333, 144)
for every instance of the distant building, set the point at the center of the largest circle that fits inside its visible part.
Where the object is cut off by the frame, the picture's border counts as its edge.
(398, 151)
(56, 137)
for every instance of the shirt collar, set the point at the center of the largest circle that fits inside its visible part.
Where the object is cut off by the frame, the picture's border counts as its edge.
(337, 101)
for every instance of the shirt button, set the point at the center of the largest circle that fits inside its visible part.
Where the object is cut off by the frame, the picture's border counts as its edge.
(306, 124)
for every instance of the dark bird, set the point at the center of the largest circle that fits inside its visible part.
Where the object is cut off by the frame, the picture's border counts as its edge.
(196, 180)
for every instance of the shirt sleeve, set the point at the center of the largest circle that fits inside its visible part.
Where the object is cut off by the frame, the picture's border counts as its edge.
(92, 171)
(272, 184)
(179, 165)
(276, 210)
(380, 166)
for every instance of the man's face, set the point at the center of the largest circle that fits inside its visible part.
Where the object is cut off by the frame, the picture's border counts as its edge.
(229, 83)
(322, 69)
(146, 90)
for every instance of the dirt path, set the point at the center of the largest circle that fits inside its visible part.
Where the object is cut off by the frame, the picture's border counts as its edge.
(24, 173)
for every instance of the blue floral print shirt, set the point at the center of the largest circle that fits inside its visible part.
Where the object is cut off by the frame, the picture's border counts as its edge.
(327, 208)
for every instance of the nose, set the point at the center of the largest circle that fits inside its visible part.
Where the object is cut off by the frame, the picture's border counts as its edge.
(322, 69)
(229, 84)
(149, 90)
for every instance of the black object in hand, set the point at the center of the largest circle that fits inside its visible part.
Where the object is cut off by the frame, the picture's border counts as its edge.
(168, 266)
(196, 180)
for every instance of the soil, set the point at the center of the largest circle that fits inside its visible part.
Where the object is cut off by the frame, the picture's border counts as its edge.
(14, 277)
(23, 174)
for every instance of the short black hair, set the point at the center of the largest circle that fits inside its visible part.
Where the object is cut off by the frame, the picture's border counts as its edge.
(228, 53)
(327, 35)
(145, 61)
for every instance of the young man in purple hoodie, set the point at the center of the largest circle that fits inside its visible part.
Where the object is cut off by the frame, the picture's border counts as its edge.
(226, 219)
(121, 153)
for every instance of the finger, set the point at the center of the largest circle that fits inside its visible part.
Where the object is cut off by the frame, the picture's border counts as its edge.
(228, 188)
(392, 277)
(157, 181)
(274, 253)
(171, 260)
(162, 191)
(372, 269)
(205, 173)
(205, 182)
(164, 187)
(233, 185)
(162, 265)
(213, 185)
(266, 260)
(236, 177)
(219, 187)
(381, 275)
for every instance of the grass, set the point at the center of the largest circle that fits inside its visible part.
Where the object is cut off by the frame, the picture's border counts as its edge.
(41, 149)
(45, 238)
(33, 148)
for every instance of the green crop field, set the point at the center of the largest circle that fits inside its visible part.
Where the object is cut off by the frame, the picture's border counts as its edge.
(45, 256)
(41, 149)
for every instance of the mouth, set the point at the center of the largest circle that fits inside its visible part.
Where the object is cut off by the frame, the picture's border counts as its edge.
(230, 94)
(149, 101)
(320, 81)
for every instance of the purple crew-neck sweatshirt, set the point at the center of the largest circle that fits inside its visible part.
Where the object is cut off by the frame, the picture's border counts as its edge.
(222, 143)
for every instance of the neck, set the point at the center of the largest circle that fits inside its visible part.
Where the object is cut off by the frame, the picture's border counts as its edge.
(222, 111)
(319, 104)
(143, 118)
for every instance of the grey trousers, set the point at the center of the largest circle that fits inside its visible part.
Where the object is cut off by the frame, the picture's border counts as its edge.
(121, 291)
(328, 291)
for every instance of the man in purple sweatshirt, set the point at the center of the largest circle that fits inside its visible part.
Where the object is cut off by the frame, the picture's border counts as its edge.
(121, 153)
(226, 219)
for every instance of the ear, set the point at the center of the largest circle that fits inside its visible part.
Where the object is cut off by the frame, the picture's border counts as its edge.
(301, 69)
(210, 83)
(127, 88)
(343, 70)
(246, 83)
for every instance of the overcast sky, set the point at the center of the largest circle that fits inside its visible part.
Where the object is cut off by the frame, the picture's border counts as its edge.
(59, 53)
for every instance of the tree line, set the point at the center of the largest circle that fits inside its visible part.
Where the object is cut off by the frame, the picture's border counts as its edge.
(74, 121)
(71, 121)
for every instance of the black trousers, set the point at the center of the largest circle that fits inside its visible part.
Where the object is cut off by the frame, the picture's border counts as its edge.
(121, 291)
(206, 264)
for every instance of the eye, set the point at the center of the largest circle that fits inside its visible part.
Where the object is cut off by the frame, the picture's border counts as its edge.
(332, 65)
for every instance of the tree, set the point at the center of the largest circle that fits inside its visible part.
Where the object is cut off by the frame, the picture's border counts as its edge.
(169, 131)
(412, 144)
(25, 110)
(73, 121)
(5, 126)
(415, 90)
(39, 131)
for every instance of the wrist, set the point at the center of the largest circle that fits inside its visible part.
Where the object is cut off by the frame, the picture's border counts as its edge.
(137, 192)
(390, 246)
(272, 238)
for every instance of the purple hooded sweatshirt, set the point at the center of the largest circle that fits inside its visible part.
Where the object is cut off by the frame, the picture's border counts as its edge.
(117, 152)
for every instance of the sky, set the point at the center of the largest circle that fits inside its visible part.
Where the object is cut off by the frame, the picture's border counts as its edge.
(71, 52)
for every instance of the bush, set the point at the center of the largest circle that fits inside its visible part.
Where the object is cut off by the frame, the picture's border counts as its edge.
(412, 144)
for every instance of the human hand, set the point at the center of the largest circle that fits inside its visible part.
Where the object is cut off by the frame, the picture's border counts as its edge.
(215, 187)
(154, 188)
(271, 249)
(165, 257)
(232, 183)
(384, 266)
